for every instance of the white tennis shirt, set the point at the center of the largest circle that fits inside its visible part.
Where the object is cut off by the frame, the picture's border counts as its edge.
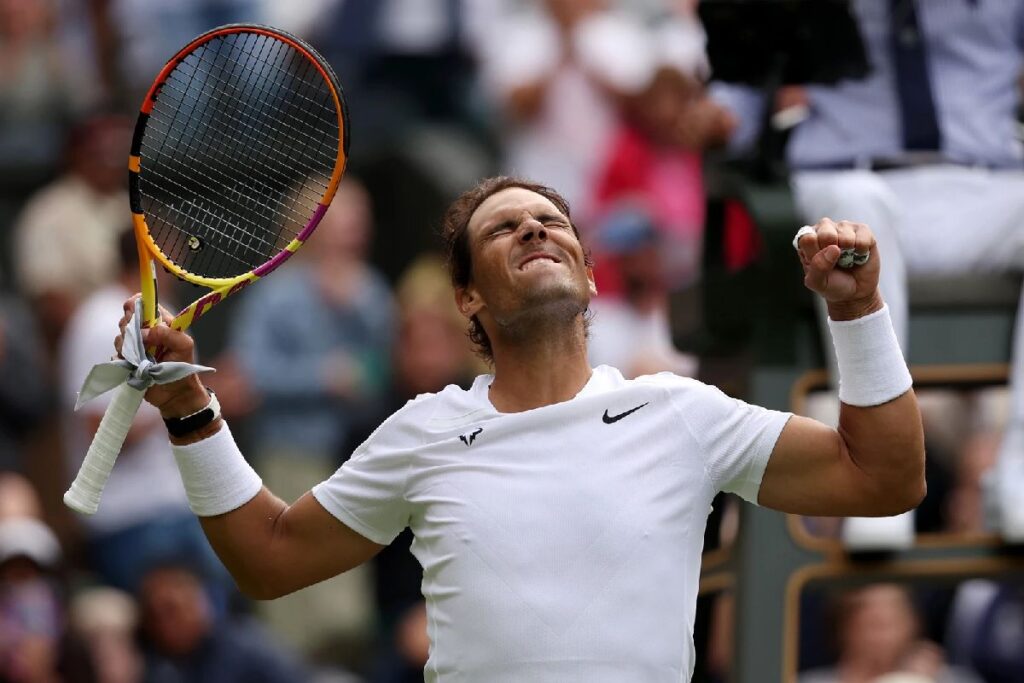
(561, 543)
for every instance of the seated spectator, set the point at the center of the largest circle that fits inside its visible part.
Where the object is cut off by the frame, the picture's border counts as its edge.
(185, 643)
(35, 91)
(144, 511)
(985, 629)
(655, 155)
(148, 33)
(631, 331)
(405, 61)
(560, 88)
(105, 620)
(315, 341)
(424, 131)
(65, 240)
(877, 634)
(34, 646)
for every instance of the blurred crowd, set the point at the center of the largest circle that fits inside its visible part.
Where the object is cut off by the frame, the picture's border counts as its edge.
(608, 102)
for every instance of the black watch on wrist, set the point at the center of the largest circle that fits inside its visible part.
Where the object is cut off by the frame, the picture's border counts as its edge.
(180, 426)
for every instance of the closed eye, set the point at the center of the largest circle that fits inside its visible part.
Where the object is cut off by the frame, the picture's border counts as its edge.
(553, 221)
(501, 228)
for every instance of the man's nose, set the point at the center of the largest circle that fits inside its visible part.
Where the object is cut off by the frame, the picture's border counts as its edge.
(532, 228)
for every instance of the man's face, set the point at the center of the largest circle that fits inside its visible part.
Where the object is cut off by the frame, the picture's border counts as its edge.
(526, 257)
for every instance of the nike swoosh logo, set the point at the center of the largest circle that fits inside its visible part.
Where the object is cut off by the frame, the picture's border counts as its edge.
(610, 419)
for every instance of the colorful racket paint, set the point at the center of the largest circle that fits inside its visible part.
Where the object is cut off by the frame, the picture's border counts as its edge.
(238, 149)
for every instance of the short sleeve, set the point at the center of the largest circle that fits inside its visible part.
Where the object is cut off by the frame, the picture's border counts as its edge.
(736, 438)
(367, 493)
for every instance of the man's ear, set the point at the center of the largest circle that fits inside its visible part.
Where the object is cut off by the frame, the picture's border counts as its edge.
(590, 279)
(468, 301)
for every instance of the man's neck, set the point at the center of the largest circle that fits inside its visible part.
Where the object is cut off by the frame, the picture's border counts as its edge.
(548, 369)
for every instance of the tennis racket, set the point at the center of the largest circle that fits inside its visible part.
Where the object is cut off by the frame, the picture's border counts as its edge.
(238, 150)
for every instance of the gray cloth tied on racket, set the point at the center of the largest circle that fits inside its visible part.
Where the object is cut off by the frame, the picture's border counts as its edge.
(136, 368)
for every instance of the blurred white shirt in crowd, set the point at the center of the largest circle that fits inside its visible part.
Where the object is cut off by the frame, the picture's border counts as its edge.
(145, 483)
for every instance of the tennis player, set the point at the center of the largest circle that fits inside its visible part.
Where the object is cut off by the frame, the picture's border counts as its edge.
(559, 509)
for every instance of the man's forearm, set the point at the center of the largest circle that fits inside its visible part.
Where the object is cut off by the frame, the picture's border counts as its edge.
(244, 541)
(879, 420)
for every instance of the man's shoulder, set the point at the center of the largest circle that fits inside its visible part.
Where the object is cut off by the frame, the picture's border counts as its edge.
(668, 380)
(452, 396)
(681, 391)
(685, 394)
(429, 412)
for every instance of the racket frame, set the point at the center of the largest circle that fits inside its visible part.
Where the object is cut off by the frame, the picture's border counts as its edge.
(222, 287)
(85, 492)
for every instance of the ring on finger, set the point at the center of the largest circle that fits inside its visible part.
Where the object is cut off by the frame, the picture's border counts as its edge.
(848, 258)
(806, 230)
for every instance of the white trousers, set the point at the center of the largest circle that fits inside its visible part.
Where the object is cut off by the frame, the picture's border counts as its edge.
(933, 220)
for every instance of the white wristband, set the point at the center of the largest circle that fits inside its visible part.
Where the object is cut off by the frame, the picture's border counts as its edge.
(872, 370)
(216, 476)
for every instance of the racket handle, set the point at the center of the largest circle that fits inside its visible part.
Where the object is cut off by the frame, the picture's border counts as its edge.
(86, 489)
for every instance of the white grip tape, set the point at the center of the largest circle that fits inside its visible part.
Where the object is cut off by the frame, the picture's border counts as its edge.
(86, 489)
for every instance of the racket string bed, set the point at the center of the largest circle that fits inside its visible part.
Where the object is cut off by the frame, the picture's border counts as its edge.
(243, 124)
(261, 112)
(210, 163)
(190, 218)
(264, 91)
(185, 201)
(251, 139)
(246, 139)
(329, 110)
(259, 155)
(269, 204)
(175, 249)
(326, 158)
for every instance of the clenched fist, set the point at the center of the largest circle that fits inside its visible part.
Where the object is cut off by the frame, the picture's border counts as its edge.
(849, 286)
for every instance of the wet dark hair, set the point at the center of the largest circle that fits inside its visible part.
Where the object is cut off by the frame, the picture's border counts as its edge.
(455, 233)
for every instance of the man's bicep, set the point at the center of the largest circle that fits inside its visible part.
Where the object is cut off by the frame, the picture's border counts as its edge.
(320, 543)
(810, 472)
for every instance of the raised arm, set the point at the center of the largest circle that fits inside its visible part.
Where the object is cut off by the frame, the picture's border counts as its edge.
(271, 548)
(873, 464)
